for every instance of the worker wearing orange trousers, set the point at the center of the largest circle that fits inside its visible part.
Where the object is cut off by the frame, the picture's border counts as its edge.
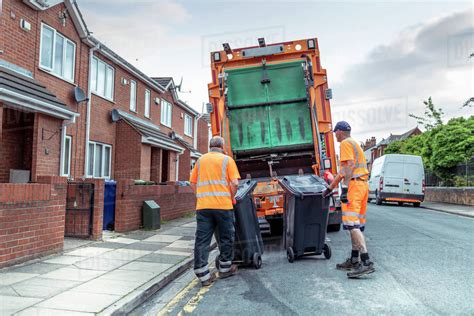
(354, 175)
(215, 180)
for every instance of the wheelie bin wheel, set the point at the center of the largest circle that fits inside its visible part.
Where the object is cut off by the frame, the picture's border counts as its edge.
(257, 261)
(327, 251)
(217, 262)
(290, 254)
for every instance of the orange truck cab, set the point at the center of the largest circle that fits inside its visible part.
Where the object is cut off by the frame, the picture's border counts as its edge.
(271, 105)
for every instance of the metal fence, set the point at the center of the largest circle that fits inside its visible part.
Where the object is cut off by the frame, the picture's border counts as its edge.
(461, 176)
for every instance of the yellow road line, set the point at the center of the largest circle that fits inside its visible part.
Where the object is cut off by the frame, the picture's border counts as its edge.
(194, 301)
(171, 304)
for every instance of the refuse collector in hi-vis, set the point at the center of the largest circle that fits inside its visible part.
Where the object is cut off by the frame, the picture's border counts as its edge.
(215, 180)
(354, 175)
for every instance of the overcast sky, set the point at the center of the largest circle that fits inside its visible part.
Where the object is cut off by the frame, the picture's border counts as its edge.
(383, 58)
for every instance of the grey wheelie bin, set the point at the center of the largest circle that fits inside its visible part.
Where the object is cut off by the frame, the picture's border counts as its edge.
(306, 216)
(248, 246)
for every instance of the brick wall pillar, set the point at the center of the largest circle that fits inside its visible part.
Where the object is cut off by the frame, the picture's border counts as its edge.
(184, 165)
(155, 172)
(172, 166)
(145, 162)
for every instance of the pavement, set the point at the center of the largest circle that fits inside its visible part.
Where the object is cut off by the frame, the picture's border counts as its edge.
(423, 262)
(461, 210)
(113, 276)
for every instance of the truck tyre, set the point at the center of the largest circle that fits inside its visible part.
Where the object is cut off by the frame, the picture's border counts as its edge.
(334, 228)
(378, 200)
(400, 203)
(416, 204)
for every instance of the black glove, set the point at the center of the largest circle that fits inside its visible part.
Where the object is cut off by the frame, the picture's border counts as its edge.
(327, 192)
(343, 196)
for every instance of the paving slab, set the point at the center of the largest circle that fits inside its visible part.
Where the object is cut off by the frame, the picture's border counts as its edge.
(142, 234)
(147, 266)
(107, 286)
(188, 238)
(163, 238)
(9, 278)
(182, 231)
(8, 291)
(187, 250)
(125, 275)
(12, 304)
(39, 291)
(150, 246)
(162, 258)
(171, 251)
(79, 301)
(38, 268)
(38, 311)
(73, 274)
(187, 244)
(65, 260)
(88, 252)
(109, 244)
(125, 254)
(101, 264)
(122, 240)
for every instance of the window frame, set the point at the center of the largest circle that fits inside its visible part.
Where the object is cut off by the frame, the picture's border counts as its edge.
(102, 173)
(169, 111)
(147, 109)
(134, 83)
(50, 70)
(187, 116)
(63, 157)
(112, 88)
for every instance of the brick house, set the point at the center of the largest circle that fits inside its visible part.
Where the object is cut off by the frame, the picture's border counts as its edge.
(378, 150)
(70, 107)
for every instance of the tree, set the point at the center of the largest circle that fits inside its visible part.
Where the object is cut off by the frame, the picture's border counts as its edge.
(433, 117)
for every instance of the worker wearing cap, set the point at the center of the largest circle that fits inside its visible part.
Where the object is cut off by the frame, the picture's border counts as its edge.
(215, 180)
(354, 175)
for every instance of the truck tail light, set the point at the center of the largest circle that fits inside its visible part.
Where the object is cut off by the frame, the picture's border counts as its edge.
(423, 186)
(381, 184)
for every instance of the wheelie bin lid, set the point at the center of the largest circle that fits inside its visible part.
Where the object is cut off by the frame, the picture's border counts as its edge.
(303, 185)
(245, 187)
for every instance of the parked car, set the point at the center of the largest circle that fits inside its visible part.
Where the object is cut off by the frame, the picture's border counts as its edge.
(397, 178)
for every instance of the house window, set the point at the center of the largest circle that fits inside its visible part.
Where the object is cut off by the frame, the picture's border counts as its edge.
(147, 103)
(166, 110)
(188, 125)
(102, 79)
(57, 53)
(99, 163)
(133, 96)
(66, 166)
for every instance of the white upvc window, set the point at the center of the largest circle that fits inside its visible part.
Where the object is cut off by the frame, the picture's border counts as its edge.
(102, 79)
(100, 160)
(57, 53)
(166, 111)
(147, 103)
(133, 96)
(66, 156)
(188, 125)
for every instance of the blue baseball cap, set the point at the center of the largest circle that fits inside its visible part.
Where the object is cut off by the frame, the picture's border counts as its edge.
(342, 126)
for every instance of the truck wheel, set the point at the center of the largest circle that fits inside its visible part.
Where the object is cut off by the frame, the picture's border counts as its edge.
(334, 228)
(327, 251)
(416, 204)
(378, 200)
(257, 261)
(290, 254)
(400, 203)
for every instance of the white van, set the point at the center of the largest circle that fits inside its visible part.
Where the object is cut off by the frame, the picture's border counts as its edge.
(397, 178)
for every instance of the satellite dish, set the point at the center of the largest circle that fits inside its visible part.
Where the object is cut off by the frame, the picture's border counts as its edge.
(115, 115)
(80, 95)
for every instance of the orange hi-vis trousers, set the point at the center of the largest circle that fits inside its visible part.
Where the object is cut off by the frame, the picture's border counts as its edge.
(354, 211)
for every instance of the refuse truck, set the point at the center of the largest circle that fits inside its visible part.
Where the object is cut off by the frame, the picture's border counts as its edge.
(271, 105)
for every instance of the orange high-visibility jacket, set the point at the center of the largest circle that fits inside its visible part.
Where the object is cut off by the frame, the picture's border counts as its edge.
(351, 150)
(212, 175)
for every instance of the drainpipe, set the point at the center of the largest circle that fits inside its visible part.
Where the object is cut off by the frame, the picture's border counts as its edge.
(88, 114)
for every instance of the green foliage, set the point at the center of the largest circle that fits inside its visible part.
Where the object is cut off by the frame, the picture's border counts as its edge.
(433, 117)
(442, 148)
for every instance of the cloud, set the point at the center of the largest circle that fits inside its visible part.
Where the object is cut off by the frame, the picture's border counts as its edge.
(429, 59)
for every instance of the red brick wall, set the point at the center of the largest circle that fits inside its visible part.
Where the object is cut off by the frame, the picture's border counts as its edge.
(155, 172)
(184, 166)
(127, 152)
(175, 201)
(145, 162)
(31, 219)
(203, 137)
(172, 166)
(2, 168)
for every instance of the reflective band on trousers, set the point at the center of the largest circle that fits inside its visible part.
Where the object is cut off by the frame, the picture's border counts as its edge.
(223, 180)
(351, 214)
(358, 164)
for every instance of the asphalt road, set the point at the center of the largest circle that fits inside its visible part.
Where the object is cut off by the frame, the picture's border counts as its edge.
(424, 266)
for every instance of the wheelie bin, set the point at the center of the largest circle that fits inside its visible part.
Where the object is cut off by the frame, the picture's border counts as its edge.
(306, 216)
(248, 245)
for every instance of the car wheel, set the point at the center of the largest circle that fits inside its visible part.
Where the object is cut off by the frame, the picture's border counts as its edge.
(378, 200)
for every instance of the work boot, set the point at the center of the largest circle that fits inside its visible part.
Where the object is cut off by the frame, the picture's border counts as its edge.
(347, 265)
(361, 270)
(210, 280)
(233, 270)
